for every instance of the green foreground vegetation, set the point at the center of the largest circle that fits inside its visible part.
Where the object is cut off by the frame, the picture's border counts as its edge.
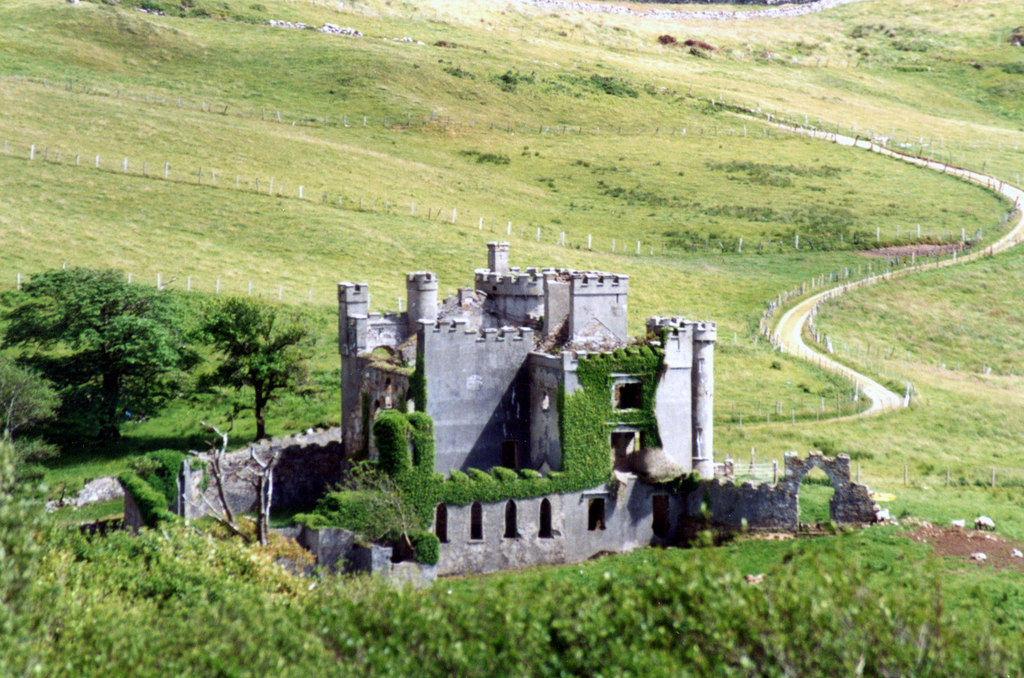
(563, 132)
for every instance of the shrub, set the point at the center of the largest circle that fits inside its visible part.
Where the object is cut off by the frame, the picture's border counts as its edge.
(152, 503)
(427, 547)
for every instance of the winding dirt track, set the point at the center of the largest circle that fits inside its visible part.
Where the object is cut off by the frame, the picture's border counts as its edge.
(790, 327)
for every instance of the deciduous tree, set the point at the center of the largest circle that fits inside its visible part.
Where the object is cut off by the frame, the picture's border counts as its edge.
(108, 345)
(262, 347)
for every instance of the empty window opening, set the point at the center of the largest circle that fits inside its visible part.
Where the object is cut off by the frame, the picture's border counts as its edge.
(476, 521)
(545, 520)
(441, 523)
(510, 454)
(595, 514)
(624, 443)
(629, 395)
(511, 531)
(661, 523)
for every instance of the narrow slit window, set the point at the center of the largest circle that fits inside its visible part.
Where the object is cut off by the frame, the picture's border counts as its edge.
(441, 523)
(511, 529)
(476, 521)
(545, 519)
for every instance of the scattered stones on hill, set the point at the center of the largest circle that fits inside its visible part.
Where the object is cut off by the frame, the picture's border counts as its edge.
(979, 556)
(789, 10)
(959, 523)
(998, 552)
(333, 29)
(100, 489)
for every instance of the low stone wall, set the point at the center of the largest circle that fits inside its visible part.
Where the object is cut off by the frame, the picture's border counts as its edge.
(337, 550)
(626, 522)
(310, 464)
(777, 507)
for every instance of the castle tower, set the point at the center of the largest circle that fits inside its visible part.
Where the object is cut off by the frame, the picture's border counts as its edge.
(497, 257)
(353, 307)
(703, 380)
(421, 293)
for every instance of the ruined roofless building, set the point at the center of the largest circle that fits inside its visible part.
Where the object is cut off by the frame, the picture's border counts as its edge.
(492, 364)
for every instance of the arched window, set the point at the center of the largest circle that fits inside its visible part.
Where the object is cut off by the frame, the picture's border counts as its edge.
(476, 521)
(511, 531)
(545, 519)
(441, 523)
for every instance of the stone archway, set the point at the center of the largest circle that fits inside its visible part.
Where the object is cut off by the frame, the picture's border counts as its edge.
(850, 502)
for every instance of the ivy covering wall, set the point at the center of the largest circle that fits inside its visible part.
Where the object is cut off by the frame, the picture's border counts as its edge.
(405, 443)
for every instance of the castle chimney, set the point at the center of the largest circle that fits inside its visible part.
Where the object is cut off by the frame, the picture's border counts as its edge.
(497, 257)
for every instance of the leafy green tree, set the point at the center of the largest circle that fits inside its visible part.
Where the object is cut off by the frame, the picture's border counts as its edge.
(109, 346)
(25, 398)
(262, 347)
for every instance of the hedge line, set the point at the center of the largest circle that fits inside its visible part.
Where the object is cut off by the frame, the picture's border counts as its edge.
(151, 502)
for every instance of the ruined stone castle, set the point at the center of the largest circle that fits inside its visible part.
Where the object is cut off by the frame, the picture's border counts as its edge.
(495, 357)
(491, 365)
(553, 432)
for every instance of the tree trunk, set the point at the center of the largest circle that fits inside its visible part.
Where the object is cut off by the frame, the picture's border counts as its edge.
(261, 424)
(110, 426)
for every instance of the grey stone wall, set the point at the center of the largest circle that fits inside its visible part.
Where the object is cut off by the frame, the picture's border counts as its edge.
(777, 507)
(515, 297)
(597, 309)
(477, 393)
(627, 525)
(310, 464)
(132, 516)
(545, 379)
(384, 386)
(338, 550)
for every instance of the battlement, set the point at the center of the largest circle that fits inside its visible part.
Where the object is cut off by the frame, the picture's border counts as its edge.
(421, 279)
(458, 329)
(705, 331)
(597, 282)
(350, 293)
(514, 284)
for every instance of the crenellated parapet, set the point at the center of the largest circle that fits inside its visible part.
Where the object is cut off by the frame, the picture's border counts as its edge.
(353, 307)
(528, 283)
(457, 330)
(596, 282)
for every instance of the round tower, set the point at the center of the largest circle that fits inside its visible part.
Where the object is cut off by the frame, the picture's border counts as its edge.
(703, 381)
(421, 293)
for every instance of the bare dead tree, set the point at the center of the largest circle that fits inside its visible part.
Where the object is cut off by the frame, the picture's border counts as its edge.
(264, 484)
(222, 514)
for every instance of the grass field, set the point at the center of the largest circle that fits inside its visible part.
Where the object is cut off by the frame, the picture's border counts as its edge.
(499, 121)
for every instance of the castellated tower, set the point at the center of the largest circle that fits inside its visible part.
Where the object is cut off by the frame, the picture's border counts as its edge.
(421, 293)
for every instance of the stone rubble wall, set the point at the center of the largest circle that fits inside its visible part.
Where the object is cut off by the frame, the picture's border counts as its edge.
(777, 507)
(311, 463)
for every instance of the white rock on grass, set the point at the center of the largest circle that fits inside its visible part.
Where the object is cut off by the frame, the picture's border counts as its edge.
(984, 523)
(979, 556)
(960, 522)
(1015, 553)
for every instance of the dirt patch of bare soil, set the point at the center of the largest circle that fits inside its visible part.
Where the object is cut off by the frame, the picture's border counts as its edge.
(968, 544)
(920, 250)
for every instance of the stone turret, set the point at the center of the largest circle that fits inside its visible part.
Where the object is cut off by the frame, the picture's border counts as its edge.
(703, 379)
(353, 308)
(421, 291)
